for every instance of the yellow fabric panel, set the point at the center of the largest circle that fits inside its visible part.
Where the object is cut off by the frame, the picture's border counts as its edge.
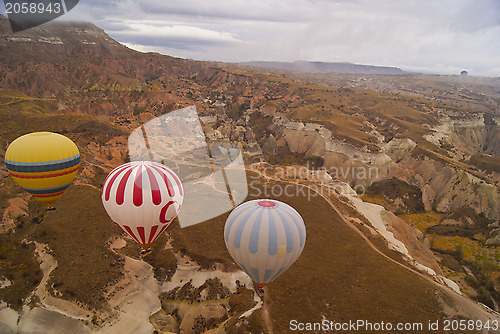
(41, 146)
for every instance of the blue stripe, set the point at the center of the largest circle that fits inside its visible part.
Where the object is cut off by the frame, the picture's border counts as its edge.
(42, 166)
(267, 275)
(253, 243)
(241, 226)
(255, 276)
(299, 223)
(233, 217)
(36, 163)
(47, 190)
(285, 222)
(272, 244)
(246, 270)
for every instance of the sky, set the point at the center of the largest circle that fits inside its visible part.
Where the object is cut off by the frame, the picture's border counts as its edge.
(429, 36)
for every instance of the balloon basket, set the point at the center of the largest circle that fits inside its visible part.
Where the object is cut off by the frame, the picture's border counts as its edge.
(145, 252)
(50, 209)
(260, 289)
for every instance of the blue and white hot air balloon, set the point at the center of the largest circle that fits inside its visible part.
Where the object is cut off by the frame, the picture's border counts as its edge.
(264, 237)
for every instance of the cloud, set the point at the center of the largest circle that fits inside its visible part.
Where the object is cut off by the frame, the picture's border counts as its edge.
(176, 36)
(442, 35)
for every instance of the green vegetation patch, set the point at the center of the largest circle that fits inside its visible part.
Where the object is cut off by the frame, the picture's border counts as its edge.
(261, 124)
(394, 188)
(17, 261)
(19, 267)
(285, 157)
(469, 224)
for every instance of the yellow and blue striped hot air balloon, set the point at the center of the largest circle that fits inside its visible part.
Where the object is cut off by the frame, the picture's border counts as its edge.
(264, 237)
(43, 163)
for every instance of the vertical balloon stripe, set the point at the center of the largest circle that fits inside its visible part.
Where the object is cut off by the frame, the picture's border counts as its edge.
(298, 222)
(255, 275)
(175, 177)
(241, 227)
(288, 229)
(272, 243)
(234, 216)
(253, 243)
(155, 189)
(245, 269)
(129, 231)
(120, 192)
(267, 275)
(140, 229)
(152, 233)
(170, 188)
(109, 183)
(137, 199)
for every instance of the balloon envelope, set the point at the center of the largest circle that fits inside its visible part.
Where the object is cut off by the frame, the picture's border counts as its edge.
(43, 163)
(264, 237)
(142, 198)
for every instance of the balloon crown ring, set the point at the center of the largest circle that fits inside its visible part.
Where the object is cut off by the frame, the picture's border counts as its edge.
(267, 203)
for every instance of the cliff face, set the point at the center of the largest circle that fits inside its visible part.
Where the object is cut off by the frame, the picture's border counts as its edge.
(444, 187)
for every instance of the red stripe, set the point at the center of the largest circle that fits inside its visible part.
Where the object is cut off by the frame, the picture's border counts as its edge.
(49, 195)
(129, 231)
(155, 189)
(120, 192)
(109, 184)
(138, 188)
(152, 234)
(163, 213)
(44, 176)
(165, 179)
(171, 190)
(140, 229)
(175, 177)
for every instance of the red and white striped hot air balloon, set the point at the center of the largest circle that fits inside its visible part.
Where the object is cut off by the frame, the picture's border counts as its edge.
(142, 198)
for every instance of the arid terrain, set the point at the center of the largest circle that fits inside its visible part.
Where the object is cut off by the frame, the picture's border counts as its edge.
(396, 176)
